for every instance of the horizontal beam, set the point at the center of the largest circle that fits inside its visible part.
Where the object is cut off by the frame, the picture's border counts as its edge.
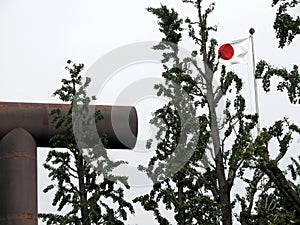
(119, 123)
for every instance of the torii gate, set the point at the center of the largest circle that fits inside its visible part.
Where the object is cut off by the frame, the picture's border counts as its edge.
(26, 126)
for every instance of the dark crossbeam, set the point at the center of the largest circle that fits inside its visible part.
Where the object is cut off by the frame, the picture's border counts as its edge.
(35, 118)
(26, 126)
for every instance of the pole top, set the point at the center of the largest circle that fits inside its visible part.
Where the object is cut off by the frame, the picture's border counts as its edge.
(251, 31)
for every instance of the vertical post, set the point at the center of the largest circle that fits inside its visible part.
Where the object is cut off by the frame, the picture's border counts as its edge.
(252, 31)
(18, 179)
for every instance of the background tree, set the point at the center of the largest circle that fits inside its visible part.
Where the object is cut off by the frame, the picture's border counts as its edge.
(282, 207)
(286, 25)
(89, 197)
(201, 192)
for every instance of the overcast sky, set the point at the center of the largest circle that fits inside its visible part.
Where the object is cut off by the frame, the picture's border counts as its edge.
(37, 37)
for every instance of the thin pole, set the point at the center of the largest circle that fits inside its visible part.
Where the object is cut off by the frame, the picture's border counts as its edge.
(251, 31)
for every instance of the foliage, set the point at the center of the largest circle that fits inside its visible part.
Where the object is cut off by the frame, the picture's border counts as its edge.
(286, 201)
(88, 197)
(290, 80)
(227, 153)
(285, 25)
(278, 197)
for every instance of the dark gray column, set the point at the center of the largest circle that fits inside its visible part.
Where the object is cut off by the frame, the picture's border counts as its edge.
(18, 179)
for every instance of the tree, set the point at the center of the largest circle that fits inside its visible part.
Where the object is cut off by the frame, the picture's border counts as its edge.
(287, 200)
(285, 25)
(284, 206)
(201, 192)
(88, 196)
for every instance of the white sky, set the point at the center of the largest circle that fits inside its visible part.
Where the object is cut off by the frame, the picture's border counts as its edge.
(37, 37)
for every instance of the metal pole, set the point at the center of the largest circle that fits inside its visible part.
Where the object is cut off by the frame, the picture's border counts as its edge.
(252, 31)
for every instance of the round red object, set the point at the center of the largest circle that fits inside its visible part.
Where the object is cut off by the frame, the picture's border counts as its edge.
(226, 51)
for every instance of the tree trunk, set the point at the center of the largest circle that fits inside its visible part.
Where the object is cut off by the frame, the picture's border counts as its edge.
(276, 175)
(224, 189)
(181, 210)
(83, 194)
(226, 205)
(243, 219)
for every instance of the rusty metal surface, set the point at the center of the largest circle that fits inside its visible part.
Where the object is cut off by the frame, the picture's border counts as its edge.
(18, 179)
(35, 118)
